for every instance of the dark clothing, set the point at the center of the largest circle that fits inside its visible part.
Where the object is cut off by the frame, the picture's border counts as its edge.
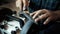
(52, 5)
(45, 4)
(52, 29)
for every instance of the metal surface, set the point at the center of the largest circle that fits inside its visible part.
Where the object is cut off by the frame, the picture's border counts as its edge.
(28, 24)
(17, 19)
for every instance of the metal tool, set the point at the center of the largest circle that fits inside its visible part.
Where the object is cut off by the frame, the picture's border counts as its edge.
(28, 24)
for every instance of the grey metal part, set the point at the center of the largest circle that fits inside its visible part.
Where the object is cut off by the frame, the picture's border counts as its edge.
(27, 25)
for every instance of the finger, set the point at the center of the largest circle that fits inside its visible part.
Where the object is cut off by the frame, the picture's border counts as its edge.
(47, 20)
(44, 10)
(31, 14)
(44, 16)
(36, 14)
(25, 4)
(37, 19)
(39, 12)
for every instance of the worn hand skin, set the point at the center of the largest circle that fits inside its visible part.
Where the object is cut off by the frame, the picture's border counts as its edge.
(44, 13)
(22, 4)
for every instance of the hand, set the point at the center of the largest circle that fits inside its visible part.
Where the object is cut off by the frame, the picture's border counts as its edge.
(44, 14)
(24, 2)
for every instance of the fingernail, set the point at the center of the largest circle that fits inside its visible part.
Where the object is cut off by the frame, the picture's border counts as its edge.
(43, 23)
(36, 20)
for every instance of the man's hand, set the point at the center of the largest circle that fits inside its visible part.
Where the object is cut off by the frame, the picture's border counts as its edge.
(22, 4)
(44, 14)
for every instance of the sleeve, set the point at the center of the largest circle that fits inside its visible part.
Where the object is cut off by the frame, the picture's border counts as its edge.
(35, 4)
(58, 7)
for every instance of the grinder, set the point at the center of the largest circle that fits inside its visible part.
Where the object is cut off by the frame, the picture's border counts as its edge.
(6, 14)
